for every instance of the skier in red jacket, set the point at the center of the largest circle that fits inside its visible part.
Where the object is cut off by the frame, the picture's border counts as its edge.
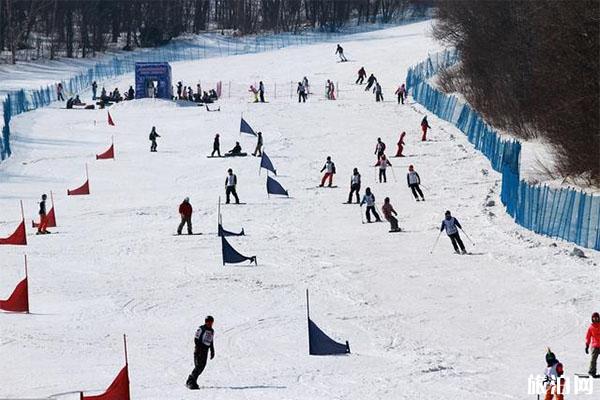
(185, 210)
(400, 145)
(424, 127)
(592, 338)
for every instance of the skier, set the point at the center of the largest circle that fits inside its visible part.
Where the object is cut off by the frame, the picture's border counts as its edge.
(130, 93)
(305, 84)
(401, 145)
(378, 93)
(254, 93)
(190, 93)
(301, 90)
(94, 90)
(329, 90)
(59, 92)
(388, 213)
(43, 217)
(383, 164)
(370, 82)
(369, 200)
(230, 184)
(555, 384)
(153, 135)
(259, 144)
(203, 341)
(354, 186)
(329, 169)
(236, 151)
(216, 146)
(179, 89)
(379, 148)
(261, 91)
(414, 180)
(185, 211)
(340, 51)
(361, 76)
(401, 92)
(424, 127)
(451, 225)
(592, 338)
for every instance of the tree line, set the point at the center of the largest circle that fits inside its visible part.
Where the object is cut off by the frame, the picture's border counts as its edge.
(81, 28)
(532, 69)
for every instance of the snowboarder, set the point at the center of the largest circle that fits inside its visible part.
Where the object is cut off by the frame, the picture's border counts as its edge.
(301, 90)
(424, 127)
(378, 93)
(230, 184)
(152, 137)
(451, 225)
(43, 217)
(555, 384)
(236, 151)
(383, 164)
(592, 338)
(305, 84)
(259, 144)
(94, 90)
(179, 89)
(401, 145)
(369, 200)
(216, 146)
(254, 93)
(59, 92)
(261, 91)
(388, 213)
(185, 211)
(354, 186)
(370, 82)
(414, 180)
(379, 148)
(401, 92)
(130, 93)
(361, 76)
(340, 51)
(329, 169)
(203, 341)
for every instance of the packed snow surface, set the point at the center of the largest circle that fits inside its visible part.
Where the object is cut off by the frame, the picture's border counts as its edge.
(420, 325)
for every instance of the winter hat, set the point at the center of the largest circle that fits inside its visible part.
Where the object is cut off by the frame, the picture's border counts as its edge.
(550, 358)
(447, 212)
(410, 167)
(209, 318)
(187, 199)
(595, 316)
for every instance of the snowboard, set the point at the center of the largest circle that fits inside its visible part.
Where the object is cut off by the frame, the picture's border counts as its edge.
(236, 155)
(350, 203)
(234, 204)
(399, 230)
(215, 156)
(587, 376)
(188, 234)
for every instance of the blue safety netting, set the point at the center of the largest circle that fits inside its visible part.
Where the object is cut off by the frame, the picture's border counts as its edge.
(557, 212)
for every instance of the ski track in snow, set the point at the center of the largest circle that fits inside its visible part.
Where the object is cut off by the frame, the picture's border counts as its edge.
(420, 326)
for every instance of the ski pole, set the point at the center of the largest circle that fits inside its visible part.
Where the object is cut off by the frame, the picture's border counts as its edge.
(463, 231)
(436, 241)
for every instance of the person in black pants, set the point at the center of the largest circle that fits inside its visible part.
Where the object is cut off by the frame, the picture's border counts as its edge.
(216, 147)
(414, 180)
(451, 225)
(230, 184)
(369, 200)
(261, 91)
(203, 340)
(354, 186)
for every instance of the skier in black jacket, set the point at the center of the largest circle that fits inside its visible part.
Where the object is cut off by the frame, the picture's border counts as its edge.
(370, 82)
(203, 340)
(216, 147)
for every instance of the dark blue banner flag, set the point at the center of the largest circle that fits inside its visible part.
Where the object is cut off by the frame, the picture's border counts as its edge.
(265, 162)
(319, 344)
(245, 128)
(223, 232)
(231, 255)
(273, 187)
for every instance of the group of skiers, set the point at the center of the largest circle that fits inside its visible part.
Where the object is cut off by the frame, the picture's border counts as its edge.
(258, 93)
(187, 93)
(377, 90)
(236, 151)
(302, 90)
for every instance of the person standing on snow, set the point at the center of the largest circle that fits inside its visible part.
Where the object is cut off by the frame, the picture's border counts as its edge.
(555, 384)
(388, 213)
(301, 90)
(400, 145)
(203, 343)
(362, 74)
(340, 51)
(230, 184)
(383, 164)
(414, 180)
(94, 90)
(451, 225)
(152, 137)
(378, 92)
(59, 92)
(370, 82)
(261, 91)
(179, 89)
(305, 84)
(259, 145)
(329, 169)
(185, 211)
(379, 148)
(369, 200)
(592, 338)
(424, 127)
(401, 92)
(216, 146)
(43, 217)
(354, 186)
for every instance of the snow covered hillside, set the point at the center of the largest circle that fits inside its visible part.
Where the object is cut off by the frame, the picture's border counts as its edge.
(420, 326)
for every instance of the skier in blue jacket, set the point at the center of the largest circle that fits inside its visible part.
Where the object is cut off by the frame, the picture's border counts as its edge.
(451, 225)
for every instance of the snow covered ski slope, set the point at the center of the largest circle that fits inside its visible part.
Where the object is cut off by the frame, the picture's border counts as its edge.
(420, 326)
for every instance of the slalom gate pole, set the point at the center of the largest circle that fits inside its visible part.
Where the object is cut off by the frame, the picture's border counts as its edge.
(467, 236)
(436, 242)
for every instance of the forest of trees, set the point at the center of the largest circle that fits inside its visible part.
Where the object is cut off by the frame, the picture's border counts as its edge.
(531, 68)
(80, 28)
